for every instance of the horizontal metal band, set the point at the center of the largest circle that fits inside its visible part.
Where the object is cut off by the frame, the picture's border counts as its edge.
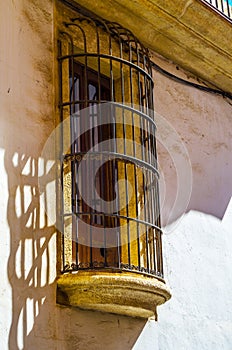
(117, 104)
(117, 216)
(112, 58)
(111, 155)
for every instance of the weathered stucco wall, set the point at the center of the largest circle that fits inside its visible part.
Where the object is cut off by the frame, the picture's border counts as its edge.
(198, 266)
(199, 130)
(27, 245)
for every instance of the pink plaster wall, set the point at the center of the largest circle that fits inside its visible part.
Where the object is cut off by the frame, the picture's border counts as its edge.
(203, 122)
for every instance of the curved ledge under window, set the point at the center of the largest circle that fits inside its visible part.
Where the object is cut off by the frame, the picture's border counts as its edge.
(105, 290)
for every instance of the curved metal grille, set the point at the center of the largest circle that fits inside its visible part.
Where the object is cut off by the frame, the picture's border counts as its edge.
(110, 206)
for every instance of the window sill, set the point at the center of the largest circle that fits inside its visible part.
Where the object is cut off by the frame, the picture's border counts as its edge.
(123, 293)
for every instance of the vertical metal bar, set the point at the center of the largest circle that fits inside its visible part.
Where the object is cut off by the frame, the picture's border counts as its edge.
(150, 162)
(74, 211)
(145, 211)
(125, 152)
(60, 75)
(161, 255)
(147, 219)
(77, 247)
(91, 239)
(222, 6)
(73, 162)
(111, 54)
(118, 247)
(82, 205)
(104, 238)
(127, 214)
(157, 243)
(137, 213)
(153, 217)
(149, 142)
(84, 97)
(145, 87)
(134, 148)
(99, 115)
(159, 225)
(115, 163)
(93, 216)
(228, 8)
(158, 233)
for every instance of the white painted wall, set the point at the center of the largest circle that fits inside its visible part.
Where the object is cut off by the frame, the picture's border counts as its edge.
(197, 253)
(198, 268)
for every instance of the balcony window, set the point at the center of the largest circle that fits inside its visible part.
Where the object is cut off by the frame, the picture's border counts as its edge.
(110, 197)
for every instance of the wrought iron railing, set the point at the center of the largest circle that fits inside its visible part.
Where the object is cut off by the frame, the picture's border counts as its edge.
(110, 210)
(223, 6)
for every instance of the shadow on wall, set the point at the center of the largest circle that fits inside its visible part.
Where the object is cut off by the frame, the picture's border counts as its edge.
(29, 265)
(37, 322)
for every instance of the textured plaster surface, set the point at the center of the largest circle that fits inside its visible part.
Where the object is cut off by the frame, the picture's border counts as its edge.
(200, 132)
(198, 256)
(198, 265)
(198, 268)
